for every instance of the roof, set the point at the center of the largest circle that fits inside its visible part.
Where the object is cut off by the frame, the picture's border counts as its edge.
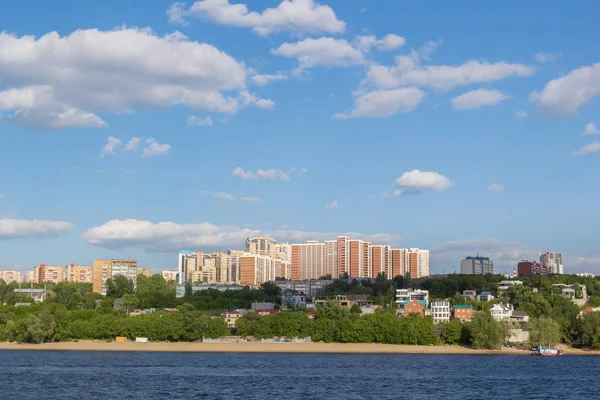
(519, 313)
(463, 306)
(268, 311)
(421, 302)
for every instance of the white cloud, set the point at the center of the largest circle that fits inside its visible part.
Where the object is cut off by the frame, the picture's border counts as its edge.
(591, 129)
(333, 205)
(323, 52)
(250, 199)
(153, 148)
(384, 103)
(564, 96)
(302, 171)
(496, 187)
(387, 43)
(588, 148)
(110, 149)
(478, 98)
(63, 81)
(521, 114)
(546, 57)
(262, 80)
(132, 144)
(407, 71)
(192, 120)
(268, 174)
(170, 236)
(230, 197)
(419, 180)
(224, 196)
(297, 16)
(20, 228)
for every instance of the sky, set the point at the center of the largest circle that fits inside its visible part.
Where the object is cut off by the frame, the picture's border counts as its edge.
(135, 129)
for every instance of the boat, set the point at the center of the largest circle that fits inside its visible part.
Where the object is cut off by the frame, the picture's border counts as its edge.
(546, 351)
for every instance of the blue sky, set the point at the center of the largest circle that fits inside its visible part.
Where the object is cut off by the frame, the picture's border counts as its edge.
(458, 127)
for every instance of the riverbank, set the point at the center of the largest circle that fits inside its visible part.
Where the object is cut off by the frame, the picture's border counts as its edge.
(324, 348)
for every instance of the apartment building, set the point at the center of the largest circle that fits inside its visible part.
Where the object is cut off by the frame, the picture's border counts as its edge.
(147, 272)
(256, 269)
(48, 273)
(418, 263)
(310, 261)
(440, 311)
(234, 262)
(408, 295)
(9, 276)
(553, 260)
(106, 269)
(78, 273)
(284, 251)
(186, 264)
(169, 275)
(528, 268)
(262, 245)
(476, 266)
(30, 276)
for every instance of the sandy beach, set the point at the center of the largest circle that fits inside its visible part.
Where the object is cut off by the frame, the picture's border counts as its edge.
(321, 348)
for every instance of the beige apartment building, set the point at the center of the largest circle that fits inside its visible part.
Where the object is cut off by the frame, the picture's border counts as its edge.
(256, 269)
(48, 273)
(222, 266)
(169, 275)
(9, 276)
(78, 273)
(233, 275)
(145, 271)
(262, 245)
(106, 269)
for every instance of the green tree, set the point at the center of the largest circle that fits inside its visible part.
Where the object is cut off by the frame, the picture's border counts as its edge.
(451, 332)
(544, 331)
(355, 309)
(119, 285)
(129, 302)
(486, 333)
(271, 291)
(590, 330)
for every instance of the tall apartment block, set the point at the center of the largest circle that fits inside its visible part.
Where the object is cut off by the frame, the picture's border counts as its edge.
(262, 245)
(418, 263)
(106, 269)
(9, 276)
(256, 269)
(553, 260)
(48, 273)
(78, 273)
(476, 266)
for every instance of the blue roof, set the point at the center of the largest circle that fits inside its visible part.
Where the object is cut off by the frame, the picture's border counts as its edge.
(463, 306)
(420, 301)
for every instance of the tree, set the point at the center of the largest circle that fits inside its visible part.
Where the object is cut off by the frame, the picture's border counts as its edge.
(486, 333)
(129, 302)
(119, 285)
(544, 331)
(451, 332)
(271, 291)
(355, 309)
(590, 330)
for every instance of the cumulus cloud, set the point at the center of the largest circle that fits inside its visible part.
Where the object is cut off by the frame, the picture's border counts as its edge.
(170, 236)
(262, 174)
(297, 16)
(588, 148)
(422, 180)
(521, 114)
(132, 144)
(407, 71)
(546, 57)
(20, 228)
(192, 120)
(333, 205)
(591, 129)
(64, 81)
(387, 43)
(154, 149)
(384, 103)
(564, 96)
(323, 52)
(262, 80)
(110, 148)
(496, 187)
(478, 98)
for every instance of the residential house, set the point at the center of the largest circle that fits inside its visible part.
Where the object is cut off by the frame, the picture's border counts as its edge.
(501, 311)
(231, 317)
(464, 312)
(485, 295)
(504, 285)
(38, 295)
(414, 307)
(340, 298)
(519, 316)
(404, 295)
(569, 291)
(440, 311)
(588, 310)
(264, 313)
(294, 298)
(471, 294)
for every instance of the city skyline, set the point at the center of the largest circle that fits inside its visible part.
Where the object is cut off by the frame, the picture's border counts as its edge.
(338, 118)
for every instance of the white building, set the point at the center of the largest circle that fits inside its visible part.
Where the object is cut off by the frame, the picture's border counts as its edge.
(476, 266)
(501, 312)
(11, 276)
(184, 267)
(169, 275)
(504, 285)
(418, 262)
(403, 295)
(440, 311)
(553, 260)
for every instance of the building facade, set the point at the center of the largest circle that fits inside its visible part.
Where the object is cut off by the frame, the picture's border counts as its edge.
(262, 245)
(476, 266)
(440, 311)
(9, 276)
(311, 287)
(48, 273)
(463, 312)
(169, 275)
(553, 260)
(408, 295)
(256, 269)
(78, 273)
(106, 269)
(418, 263)
(528, 268)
